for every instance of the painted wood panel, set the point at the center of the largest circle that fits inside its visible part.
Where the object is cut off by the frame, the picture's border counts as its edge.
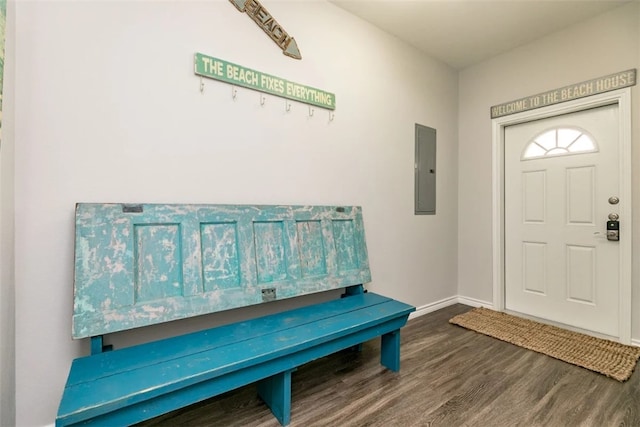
(313, 260)
(534, 261)
(581, 187)
(144, 264)
(581, 274)
(220, 256)
(534, 191)
(270, 251)
(343, 232)
(157, 261)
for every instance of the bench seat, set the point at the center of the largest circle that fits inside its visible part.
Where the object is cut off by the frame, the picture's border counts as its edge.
(132, 384)
(138, 265)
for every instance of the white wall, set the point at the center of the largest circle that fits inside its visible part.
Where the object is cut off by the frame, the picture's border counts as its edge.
(108, 109)
(606, 44)
(7, 295)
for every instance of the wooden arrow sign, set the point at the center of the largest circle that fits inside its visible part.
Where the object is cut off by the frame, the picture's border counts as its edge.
(269, 25)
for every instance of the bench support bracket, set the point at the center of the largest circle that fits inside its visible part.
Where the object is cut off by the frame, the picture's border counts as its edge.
(390, 351)
(97, 345)
(276, 393)
(353, 290)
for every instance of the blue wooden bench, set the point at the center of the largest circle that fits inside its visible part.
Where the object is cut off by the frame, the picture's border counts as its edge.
(138, 265)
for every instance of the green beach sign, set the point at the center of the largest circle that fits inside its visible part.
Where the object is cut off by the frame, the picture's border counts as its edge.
(218, 69)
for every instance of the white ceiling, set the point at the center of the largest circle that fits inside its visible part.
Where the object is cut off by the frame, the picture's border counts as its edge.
(461, 33)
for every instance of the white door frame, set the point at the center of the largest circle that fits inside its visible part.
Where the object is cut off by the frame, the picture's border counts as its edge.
(622, 98)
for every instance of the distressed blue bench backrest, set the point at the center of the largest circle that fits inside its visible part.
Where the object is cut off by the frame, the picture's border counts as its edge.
(137, 265)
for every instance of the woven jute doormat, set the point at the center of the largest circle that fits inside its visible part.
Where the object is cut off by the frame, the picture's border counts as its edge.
(610, 358)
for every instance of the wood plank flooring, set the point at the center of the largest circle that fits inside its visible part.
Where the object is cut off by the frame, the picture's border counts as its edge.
(449, 377)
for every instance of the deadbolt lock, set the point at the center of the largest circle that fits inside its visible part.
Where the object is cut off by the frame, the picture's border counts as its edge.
(613, 228)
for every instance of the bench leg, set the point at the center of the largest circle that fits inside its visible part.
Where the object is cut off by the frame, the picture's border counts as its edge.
(390, 351)
(276, 393)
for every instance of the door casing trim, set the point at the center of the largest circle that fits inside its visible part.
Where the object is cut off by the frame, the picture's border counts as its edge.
(621, 98)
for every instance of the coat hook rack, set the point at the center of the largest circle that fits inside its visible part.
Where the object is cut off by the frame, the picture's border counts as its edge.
(234, 92)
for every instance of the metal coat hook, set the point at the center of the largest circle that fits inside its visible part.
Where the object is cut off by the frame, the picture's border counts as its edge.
(201, 85)
(311, 111)
(332, 115)
(234, 92)
(287, 106)
(263, 99)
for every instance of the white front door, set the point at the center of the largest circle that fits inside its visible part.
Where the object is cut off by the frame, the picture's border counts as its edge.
(559, 174)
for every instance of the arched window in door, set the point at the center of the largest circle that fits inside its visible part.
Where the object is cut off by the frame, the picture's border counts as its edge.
(560, 141)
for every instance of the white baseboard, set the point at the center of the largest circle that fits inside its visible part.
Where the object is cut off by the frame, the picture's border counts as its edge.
(428, 308)
(635, 342)
(474, 302)
(456, 299)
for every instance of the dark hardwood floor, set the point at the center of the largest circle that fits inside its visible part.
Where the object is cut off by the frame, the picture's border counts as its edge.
(449, 377)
